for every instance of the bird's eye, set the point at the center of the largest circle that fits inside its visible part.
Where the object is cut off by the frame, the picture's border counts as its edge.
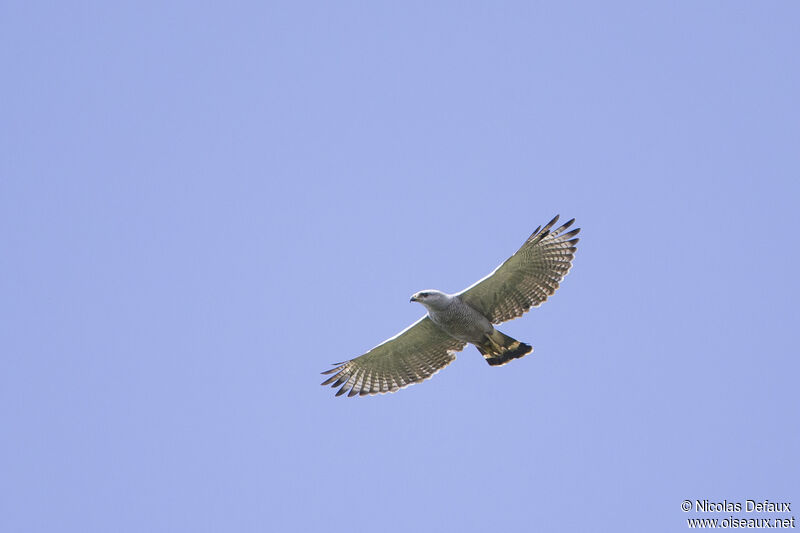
(423, 295)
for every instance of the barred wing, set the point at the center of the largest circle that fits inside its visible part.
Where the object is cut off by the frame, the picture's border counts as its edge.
(527, 278)
(411, 356)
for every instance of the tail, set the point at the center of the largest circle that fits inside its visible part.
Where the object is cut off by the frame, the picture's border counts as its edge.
(498, 348)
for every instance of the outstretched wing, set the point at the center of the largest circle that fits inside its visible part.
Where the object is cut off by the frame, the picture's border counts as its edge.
(526, 278)
(411, 356)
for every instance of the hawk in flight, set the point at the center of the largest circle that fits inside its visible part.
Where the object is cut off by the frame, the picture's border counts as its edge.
(523, 281)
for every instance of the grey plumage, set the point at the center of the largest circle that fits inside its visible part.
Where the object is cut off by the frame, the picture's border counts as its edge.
(413, 355)
(527, 278)
(524, 280)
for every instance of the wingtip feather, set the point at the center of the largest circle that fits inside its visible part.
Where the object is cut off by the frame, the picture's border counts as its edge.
(550, 224)
(328, 381)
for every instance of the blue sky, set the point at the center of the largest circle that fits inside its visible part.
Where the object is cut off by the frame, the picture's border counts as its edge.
(202, 207)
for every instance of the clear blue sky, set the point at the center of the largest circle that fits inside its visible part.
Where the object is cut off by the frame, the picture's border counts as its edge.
(202, 207)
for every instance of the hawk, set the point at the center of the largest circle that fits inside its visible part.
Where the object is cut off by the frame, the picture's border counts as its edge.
(415, 354)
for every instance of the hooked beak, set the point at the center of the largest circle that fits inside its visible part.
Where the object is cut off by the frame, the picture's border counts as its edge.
(414, 299)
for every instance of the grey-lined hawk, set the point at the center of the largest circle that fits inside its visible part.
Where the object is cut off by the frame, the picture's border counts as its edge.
(524, 280)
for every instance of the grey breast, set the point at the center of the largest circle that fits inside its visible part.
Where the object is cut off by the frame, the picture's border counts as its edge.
(461, 321)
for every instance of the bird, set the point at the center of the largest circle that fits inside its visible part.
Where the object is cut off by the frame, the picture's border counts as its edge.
(524, 280)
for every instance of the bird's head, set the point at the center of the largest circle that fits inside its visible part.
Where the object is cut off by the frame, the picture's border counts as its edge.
(431, 298)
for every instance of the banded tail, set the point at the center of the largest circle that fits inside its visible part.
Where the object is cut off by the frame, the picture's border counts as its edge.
(498, 348)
